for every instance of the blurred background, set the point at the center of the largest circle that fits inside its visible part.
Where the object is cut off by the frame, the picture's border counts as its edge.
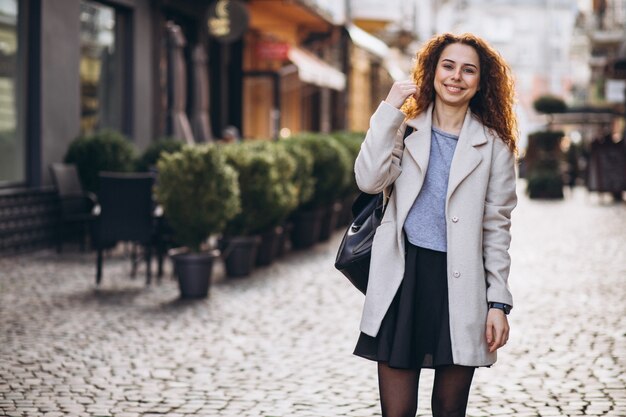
(203, 71)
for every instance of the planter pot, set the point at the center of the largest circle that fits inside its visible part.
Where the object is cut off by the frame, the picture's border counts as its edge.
(268, 248)
(194, 272)
(240, 254)
(329, 221)
(545, 186)
(283, 241)
(306, 228)
(345, 217)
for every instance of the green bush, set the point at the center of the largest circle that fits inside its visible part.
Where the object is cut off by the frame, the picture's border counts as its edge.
(199, 192)
(303, 176)
(332, 168)
(106, 150)
(351, 141)
(543, 159)
(268, 194)
(549, 104)
(545, 184)
(152, 153)
(545, 140)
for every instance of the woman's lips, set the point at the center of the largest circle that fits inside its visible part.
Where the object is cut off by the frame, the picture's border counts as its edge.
(453, 89)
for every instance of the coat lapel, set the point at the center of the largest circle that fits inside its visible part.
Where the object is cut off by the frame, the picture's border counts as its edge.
(417, 145)
(466, 157)
(418, 142)
(414, 166)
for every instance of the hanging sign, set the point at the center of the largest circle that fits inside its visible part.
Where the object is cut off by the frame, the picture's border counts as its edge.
(228, 20)
(272, 51)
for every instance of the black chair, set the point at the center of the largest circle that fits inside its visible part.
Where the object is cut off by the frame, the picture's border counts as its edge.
(126, 215)
(75, 204)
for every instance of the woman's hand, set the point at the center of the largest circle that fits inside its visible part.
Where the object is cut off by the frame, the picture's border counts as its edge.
(497, 332)
(400, 91)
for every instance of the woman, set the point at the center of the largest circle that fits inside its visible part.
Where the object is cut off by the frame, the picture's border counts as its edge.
(438, 296)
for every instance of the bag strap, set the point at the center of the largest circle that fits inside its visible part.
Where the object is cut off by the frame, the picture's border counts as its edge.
(407, 132)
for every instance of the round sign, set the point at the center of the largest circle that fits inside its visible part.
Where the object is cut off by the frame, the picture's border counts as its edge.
(228, 20)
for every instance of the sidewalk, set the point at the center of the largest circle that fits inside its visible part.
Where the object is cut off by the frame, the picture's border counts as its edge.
(279, 343)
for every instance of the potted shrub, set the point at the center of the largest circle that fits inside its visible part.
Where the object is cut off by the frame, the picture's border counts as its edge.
(150, 156)
(287, 191)
(549, 104)
(199, 192)
(543, 159)
(352, 142)
(106, 150)
(331, 170)
(544, 185)
(304, 181)
(267, 197)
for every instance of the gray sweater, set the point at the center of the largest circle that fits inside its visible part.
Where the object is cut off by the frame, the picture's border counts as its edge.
(425, 225)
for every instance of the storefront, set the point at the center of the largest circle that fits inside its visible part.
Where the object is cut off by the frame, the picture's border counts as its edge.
(13, 85)
(67, 67)
(149, 69)
(293, 72)
(374, 66)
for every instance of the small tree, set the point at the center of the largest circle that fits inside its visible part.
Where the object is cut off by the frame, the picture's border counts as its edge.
(267, 193)
(332, 168)
(152, 153)
(106, 150)
(303, 178)
(199, 192)
(544, 155)
(351, 141)
(543, 159)
(549, 104)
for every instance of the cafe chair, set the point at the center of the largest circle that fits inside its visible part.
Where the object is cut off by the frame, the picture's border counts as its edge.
(75, 205)
(126, 214)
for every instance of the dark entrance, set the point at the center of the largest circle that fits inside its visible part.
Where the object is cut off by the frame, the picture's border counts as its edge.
(199, 80)
(182, 76)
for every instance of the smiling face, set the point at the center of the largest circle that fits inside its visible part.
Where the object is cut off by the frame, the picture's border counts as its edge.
(457, 77)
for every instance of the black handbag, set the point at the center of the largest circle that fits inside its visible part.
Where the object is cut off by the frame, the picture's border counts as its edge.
(355, 251)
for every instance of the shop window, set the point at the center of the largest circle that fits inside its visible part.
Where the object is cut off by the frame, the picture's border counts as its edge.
(12, 138)
(102, 70)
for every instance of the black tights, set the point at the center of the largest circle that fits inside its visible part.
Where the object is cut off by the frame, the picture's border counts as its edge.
(398, 390)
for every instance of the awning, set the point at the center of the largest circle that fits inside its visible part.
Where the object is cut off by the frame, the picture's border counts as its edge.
(314, 70)
(391, 58)
(368, 42)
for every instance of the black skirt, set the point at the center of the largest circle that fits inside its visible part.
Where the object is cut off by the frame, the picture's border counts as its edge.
(415, 332)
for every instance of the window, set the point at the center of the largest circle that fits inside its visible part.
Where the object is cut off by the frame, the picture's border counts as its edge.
(102, 68)
(12, 138)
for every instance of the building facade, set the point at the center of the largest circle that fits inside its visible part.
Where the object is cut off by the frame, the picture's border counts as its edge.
(149, 69)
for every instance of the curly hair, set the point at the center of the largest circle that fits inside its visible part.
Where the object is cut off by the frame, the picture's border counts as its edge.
(492, 103)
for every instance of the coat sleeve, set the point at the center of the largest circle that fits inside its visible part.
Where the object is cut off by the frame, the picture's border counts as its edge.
(500, 201)
(378, 163)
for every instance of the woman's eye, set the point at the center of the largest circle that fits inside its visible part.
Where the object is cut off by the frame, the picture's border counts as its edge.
(469, 70)
(447, 66)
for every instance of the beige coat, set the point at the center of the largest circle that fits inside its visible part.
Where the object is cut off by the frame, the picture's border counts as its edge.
(479, 201)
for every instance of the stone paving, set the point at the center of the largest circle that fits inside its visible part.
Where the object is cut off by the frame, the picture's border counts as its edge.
(279, 342)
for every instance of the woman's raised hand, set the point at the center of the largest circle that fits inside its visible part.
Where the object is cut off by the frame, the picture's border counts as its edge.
(400, 91)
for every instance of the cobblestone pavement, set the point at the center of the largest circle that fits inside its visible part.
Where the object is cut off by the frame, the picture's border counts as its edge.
(279, 342)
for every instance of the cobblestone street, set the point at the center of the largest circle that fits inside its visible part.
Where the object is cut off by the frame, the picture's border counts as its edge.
(279, 342)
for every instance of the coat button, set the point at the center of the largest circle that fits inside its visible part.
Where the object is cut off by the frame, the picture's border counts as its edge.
(456, 274)
(455, 219)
